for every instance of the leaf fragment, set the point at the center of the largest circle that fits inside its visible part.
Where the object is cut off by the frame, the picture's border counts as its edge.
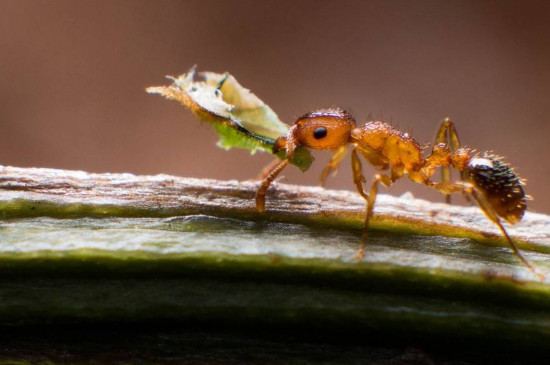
(239, 117)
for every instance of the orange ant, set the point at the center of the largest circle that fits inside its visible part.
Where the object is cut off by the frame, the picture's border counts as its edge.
(484, 177)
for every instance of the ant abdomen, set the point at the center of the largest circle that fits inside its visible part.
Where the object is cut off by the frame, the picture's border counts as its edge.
(503, 189)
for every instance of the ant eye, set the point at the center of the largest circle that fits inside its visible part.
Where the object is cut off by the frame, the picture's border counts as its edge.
(320, 132)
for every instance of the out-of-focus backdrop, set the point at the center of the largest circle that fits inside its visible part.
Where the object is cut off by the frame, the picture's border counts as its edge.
(73, 75)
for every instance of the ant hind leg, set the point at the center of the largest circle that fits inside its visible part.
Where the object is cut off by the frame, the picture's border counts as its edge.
(486, 207)
(447, 135)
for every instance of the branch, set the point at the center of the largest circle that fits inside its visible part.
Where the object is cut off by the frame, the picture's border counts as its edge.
(35, 192)
(161, 248)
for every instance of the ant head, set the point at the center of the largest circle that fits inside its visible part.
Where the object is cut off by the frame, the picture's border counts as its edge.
(324, 129)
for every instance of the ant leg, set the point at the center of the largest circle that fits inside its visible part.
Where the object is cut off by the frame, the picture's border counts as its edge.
(370, 199)
(290, 145)
(447, 135)
(357, 169)
(332, 165)
(486, 207)
(260, 195)
(359, 179)
(386, 181)
(267, 169)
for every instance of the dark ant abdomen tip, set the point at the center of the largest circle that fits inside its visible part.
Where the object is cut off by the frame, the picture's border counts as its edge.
(501, 186)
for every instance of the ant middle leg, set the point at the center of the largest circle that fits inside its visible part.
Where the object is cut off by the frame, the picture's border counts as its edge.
(332, 165)
(370, 198)
(373, 193)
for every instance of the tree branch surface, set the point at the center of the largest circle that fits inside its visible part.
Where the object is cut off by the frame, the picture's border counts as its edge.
(81, 247)
(33, 192)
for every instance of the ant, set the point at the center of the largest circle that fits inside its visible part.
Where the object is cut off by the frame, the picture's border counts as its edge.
(484, 177)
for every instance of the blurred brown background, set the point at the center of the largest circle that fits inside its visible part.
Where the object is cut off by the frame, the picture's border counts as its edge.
(73, 74)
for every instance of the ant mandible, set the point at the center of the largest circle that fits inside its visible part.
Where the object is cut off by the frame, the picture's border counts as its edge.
(484, 177)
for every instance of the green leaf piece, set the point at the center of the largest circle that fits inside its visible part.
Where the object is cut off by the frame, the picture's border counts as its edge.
(239, 117)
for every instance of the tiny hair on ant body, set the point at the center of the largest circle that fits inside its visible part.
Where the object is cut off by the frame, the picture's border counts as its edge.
(483, 177)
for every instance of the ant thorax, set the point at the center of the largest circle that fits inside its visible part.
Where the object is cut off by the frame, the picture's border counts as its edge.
(383, 145)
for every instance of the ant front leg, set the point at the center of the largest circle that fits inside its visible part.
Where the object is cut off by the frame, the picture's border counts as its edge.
(357, 169)
(289, 143)
(267, 169)
(332, 165)
(358, 180)
(260, 195)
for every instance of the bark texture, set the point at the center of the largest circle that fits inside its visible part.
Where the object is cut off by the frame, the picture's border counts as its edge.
(34, 192)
